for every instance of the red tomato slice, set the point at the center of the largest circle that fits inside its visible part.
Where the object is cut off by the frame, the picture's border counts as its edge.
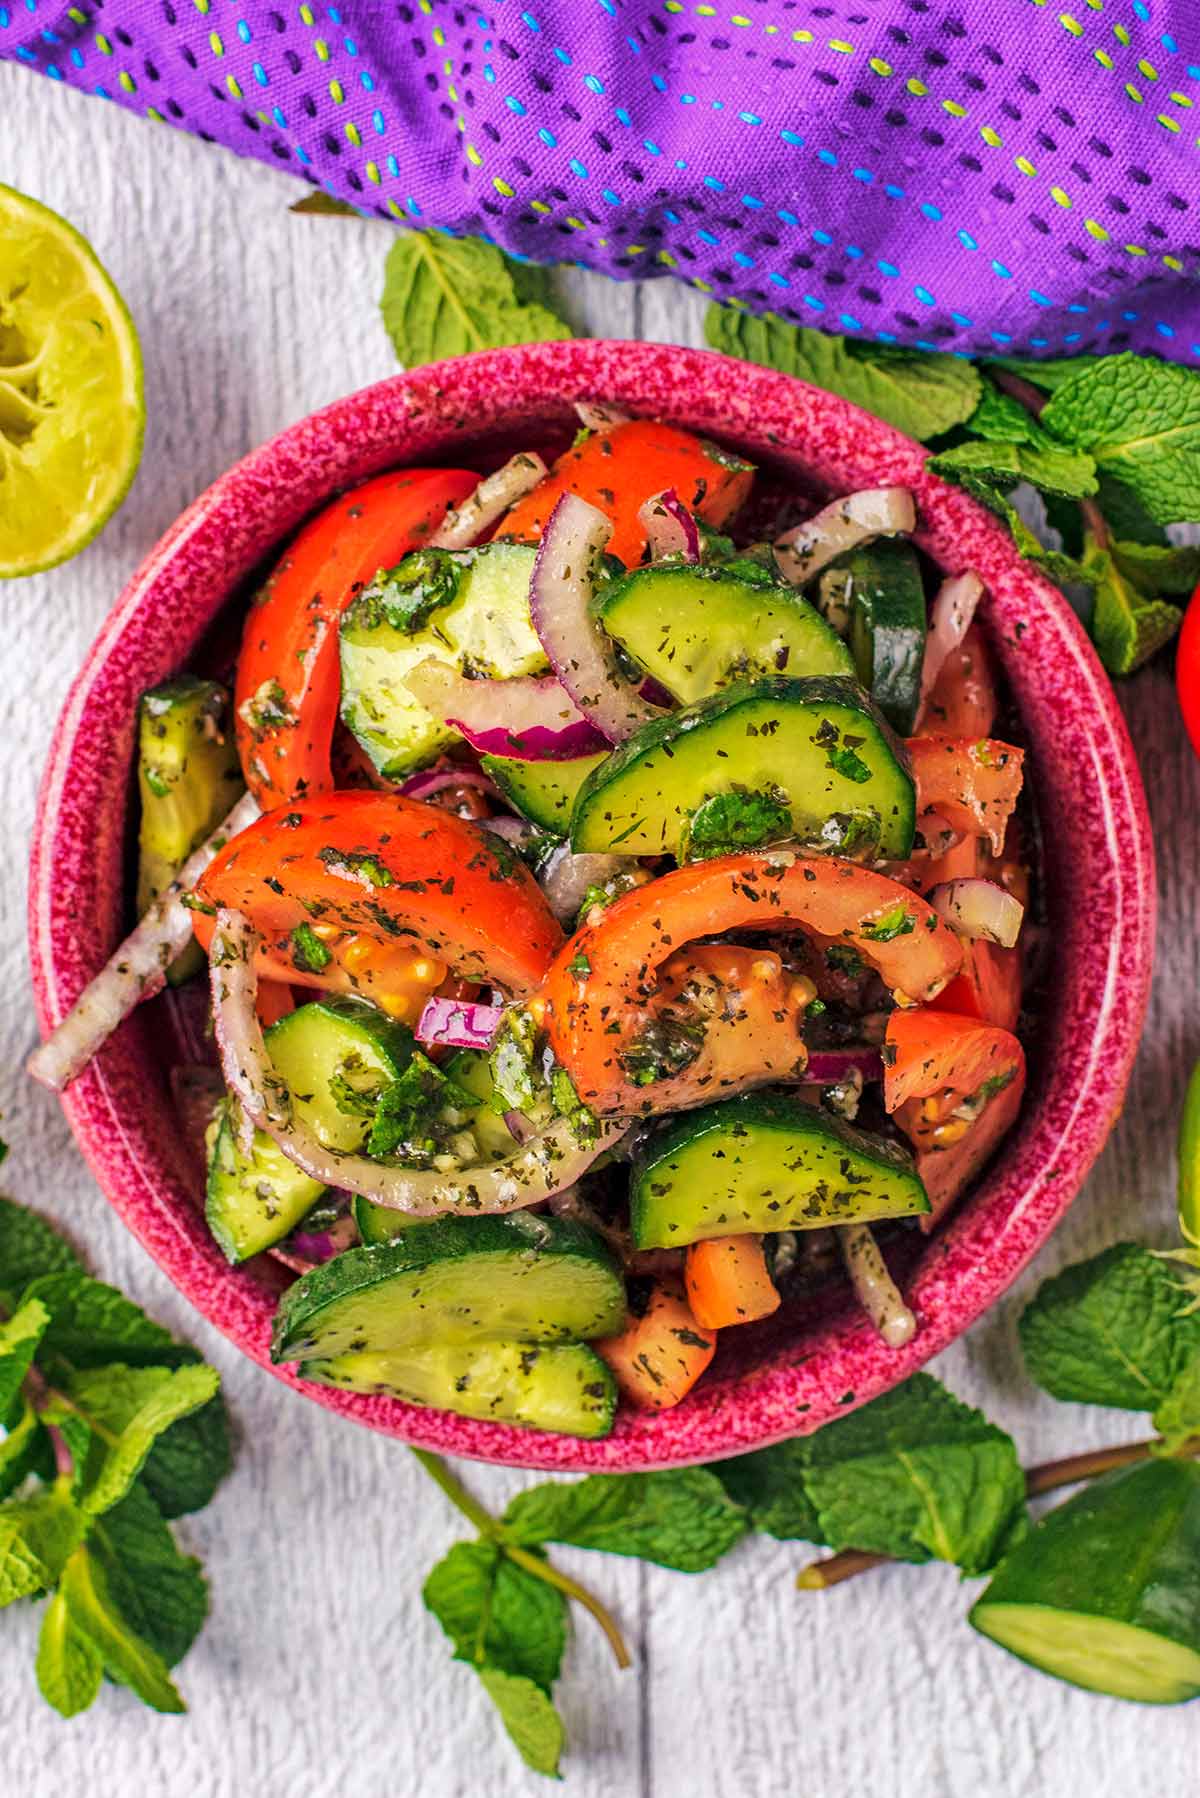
(288, 680)
(603, 996)
(618, 470)
(989, 986)
(937, 1065)
(372, 893)
(973, 783)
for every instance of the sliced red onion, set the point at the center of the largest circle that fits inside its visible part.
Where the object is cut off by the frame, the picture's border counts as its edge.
(516, 831)
(829, 1066)
(979, 908)
(803, 551)
(950, 619)
(436, 780)
(877, 1292)
(565, 878)
(458, 1024)
(137, 969)
(531, 718)
(598, 415)
(670, 528)
(519, 1127)
(560, 594)
(541, 1167)
(493, 496)
(934, 836)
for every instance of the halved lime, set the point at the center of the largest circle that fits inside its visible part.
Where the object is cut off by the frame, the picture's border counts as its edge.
(71, 411)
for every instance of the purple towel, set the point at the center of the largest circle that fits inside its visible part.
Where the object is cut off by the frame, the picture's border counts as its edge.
(957, 176)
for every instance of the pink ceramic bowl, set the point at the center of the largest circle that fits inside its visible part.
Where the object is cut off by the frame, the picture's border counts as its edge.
(770, 1383)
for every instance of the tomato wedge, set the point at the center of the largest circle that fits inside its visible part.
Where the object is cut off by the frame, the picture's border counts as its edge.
(288, 679)
(372, 893)
(618, 470)
(1187, 670)
(973, 783)
(602, 1000)
(955, 1088)
(962, 701)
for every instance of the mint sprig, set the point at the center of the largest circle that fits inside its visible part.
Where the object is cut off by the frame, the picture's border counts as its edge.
(111, 1426)
(446, 296)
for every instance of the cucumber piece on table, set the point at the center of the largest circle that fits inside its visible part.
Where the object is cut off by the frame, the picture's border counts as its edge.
(337, 1056)
(763, 1163)
(759, 762)
(481, 626)
(543, 792)
(695, 628)
(542, 1385)
(881, 590)
(252, 1201)
(456, 1282)
(1105, 1591)
(188, 778)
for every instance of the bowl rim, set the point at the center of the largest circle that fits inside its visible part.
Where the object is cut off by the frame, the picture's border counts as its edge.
(1075, 726)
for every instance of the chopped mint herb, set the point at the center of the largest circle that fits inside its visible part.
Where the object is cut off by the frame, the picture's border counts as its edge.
(898, 921)
(726, 822)
(309, 953)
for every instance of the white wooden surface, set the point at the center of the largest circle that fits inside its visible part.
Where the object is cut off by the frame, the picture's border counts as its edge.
(319, 1674)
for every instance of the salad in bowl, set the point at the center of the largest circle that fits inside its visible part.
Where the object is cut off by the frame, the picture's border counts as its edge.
(597, 897)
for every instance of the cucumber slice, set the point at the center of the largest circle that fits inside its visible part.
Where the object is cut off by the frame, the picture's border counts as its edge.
(696, 628)
(764, 1163)
(543, 792)
(336, 1056)
(801, 759)
(252, 1201)
(484, 627)
(1105, 1591)
(188, 778)
(455, 1282)
(470, 1069)
(881, 588)
(541, 1386)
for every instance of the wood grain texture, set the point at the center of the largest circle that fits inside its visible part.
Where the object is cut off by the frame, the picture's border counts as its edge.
(320, 1675)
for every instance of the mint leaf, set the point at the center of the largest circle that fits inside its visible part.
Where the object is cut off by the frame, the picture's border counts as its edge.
(24, 1449)
(37, 1535)
(771, 1485)
(19, 1338)
(530, 1718)
(1002, 419)
(1054, 470)
(916, 1475)
(1125, 514)
(445, 296)
(1126, 627)
(69, 1669)
(1110, 1331)
(497, 1614)
(126, 1657)
(324, 205)
(1063, 569)
(1158, 567)
(161, 1594)
(29, 1247)
(189, 1460)
(91, 1323)
(1178, 1416)
(1049, 375)
(1140, 419)
(129, 1408)
(682, 1519)
(919, 392)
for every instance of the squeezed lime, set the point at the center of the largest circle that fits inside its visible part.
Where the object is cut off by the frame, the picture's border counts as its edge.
(71, 409)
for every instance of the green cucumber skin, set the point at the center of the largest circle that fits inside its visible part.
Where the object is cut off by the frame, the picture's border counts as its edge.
(189, 777)
(252, 1203)
(1189, 1161)
(701, 1177)
(887, 627)
(485, 628)
(1125, 1550)
(659, 776)
(690, 627)
(543, 792)
(317, 1038)
(449, 1282)
(561, 1387)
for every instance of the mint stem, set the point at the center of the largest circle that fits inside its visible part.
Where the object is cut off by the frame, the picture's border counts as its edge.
(489, 1526)
(1049, 1477)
